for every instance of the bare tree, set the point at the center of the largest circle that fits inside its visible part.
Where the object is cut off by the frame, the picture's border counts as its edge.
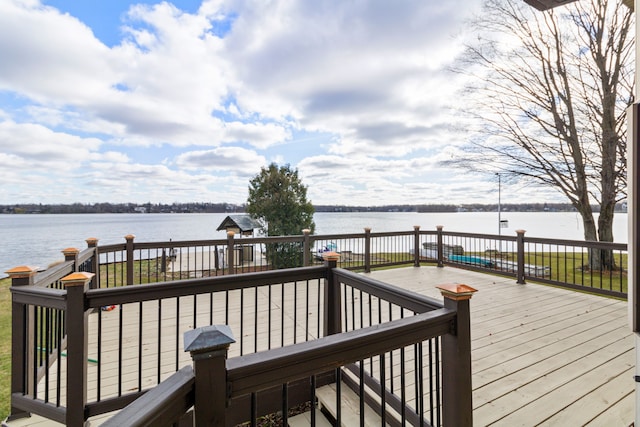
(548, 99)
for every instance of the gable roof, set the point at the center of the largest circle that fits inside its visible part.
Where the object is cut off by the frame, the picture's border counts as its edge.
(243, 222)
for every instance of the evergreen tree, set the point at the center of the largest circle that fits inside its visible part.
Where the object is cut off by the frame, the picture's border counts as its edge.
(278, 200)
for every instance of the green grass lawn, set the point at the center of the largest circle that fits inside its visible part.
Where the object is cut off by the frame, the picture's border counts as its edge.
(5, 347)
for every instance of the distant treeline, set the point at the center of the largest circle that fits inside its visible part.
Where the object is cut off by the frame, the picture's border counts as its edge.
(476, 207)
(121, 208)
(233, 208)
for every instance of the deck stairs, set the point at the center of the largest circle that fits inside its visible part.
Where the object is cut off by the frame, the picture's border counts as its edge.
(326, 409)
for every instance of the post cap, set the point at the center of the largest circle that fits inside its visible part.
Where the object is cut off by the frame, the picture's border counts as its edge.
(70, 252)
(213, 337)
(521, 231)
(416, 227)
(230, 233)
(92, 241)
(22, 271)
(331, 256)
(77, 279)
(306, 231)
(456, 291)
(129, 237)
(439, 227)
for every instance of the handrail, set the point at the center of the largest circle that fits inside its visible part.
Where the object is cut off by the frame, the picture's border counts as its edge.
(86, 255)
(112, 247)
(154, 291)
(391, 233)
(587, 243)
(166, 402)
(267, 369)
(403, 297)
(46, 277)
(42, 297)
(478, 235)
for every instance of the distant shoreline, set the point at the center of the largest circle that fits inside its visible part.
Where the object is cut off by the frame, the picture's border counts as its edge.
(78, 208)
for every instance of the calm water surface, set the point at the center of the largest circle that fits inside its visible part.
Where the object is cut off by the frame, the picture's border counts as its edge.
(38, 239)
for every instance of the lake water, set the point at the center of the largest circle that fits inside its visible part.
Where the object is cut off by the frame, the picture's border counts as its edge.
(38, 239)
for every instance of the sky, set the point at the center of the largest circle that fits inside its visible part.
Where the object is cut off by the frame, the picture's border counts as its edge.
(184, 101)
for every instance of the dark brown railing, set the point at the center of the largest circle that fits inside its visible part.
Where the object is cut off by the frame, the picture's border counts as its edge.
(593, 266)
(66, 343)
(128, 339)
(279, 379)
(596, 267)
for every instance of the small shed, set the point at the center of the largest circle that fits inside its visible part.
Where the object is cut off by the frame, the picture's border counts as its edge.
(239, 224)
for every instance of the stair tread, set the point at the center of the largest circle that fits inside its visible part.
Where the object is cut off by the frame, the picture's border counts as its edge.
(350, 406)
(304, 420)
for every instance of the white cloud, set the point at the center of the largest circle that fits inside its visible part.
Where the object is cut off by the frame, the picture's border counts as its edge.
(189, 106)
(42, 147)
(260, 135)
(49, 57)
(234, 159)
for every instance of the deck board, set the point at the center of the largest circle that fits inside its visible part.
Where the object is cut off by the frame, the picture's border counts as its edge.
(540, 354)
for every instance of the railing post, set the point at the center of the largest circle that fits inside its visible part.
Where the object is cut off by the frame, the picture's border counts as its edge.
(21, 330)
(332, 296)
(77, 323)
(520, 256)
(163, 261)
(71, 254)
(92, 243)
(416, 245)
(457, 405)
(231, 252)
(440, 246)
(129, 238)
(367, 250)
(306, 247)
(209, 346)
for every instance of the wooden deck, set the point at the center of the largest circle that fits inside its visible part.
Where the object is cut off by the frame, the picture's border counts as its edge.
(541, 355)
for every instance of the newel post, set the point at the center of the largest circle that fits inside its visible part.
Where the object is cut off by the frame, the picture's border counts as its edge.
(306, 248)
(520, 256)
(456, 358)
(129, 248)
(332, 296)
(92, 243)
(77, 323)
(231, 262)
(367, 250)
(440, 246)
(209, 346)
(416, 245)
(71, 254)
(21, 329)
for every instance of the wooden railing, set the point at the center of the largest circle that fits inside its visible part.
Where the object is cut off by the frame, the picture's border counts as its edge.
(597, 267)
(62, 317)
(73, 360)
(276, 380)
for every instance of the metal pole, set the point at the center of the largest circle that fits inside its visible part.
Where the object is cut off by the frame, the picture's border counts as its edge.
(634, 241)
(499, 206)
(499, 214)
(632, 213)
